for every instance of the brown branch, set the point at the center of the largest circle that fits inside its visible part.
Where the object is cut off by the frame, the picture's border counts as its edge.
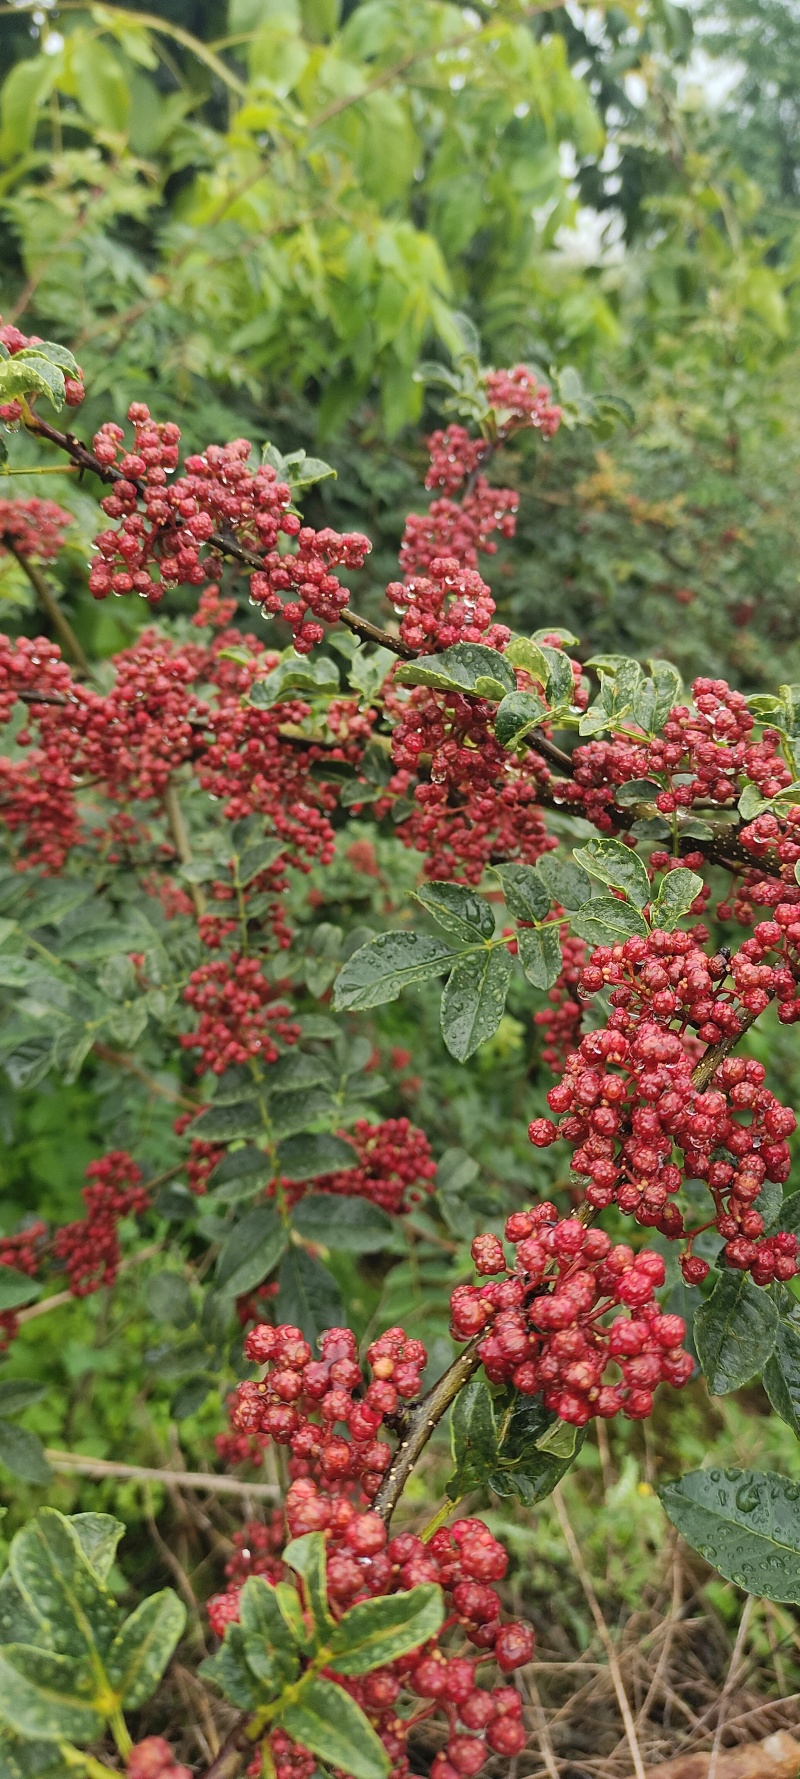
(59, 1298)
(223, 541)
(229, 1760)
(50, 606)
(181, 842)
(716, 1053)
(72, 1463)
(119, 1059)
(421, 1422)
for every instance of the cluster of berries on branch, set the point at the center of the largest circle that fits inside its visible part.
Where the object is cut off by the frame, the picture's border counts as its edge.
(544, 1318)
(628, 1101)
(301, 1402)
(32, 527)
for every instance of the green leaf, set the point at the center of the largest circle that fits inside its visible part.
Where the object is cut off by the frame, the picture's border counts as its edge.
(257, 858)
(473, 1438)
(537, 1450)
(48, 1696)
(21, 1758)
(751, 803)
(169, 1299)
(296, 1072)
(350, 1225)
(330, 1724)
(224, 1123)
(637, 790)
(32, 375)
(526, 895)
(378, 1631)
(240, 1175)
(523, 652)
(308, 1295)
(539, 951)
(251, 1252)
(464, 667)
(292, 1113)
(735, 1332)
(461, 911)
(52, 1571)
(517, 714)
(143, 1646)
(781, 1375)
(17, 1393)
(381, 969)
(98, 1535)
(605, 921)
(230, 1670)
(23, 1454)
(260, 1613)
(18, 1621)
(297, 674)
(668, 688)
(103, 91)
(564, 881)
(560, 681)
(675, 898)
(312, 1153)
(615, 864)
(306, 1556)
(474, 1001)
(746, 1523)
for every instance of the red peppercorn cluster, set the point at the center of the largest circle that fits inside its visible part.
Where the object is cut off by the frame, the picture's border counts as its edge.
(454, 456)
(519, 400)
(451, 604)
(164, 529)
(153, 1759)
(463, 1559)
(257, 1549)
(703, 753)
(212, 610)
(479, 802)
(89, 1249)
(25, 1252)
(627, 1102)
(202, 1157)
(299, 1403)
(239, 1014)
(306, 576)
(14, 341)
(545, 1318)
(35, 527)
(298, 1387)
(458, 528)
(395, 1166)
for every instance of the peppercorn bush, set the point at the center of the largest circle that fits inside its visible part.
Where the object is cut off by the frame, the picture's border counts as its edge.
(610, 853)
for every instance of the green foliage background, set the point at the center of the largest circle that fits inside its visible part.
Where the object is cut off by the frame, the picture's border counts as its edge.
(259, 220)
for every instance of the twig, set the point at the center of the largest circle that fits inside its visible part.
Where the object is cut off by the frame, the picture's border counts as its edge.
(181, 842)
(50, 607)
(602, 1630)
(420, 1425)
(168, 1556)
(730, 1680)
(59, 1298)
(69, 1463)
(674, 1614)
(229, 1760)
(540, 1724)
(119, 1059)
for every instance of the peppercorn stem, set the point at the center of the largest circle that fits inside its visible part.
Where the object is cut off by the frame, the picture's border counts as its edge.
(421, 1423)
